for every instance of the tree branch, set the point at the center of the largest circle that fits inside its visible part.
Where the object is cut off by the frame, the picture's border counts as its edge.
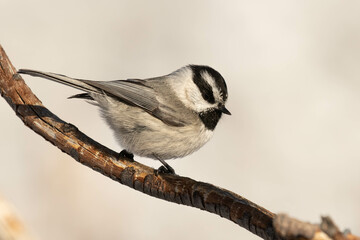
(173, 188)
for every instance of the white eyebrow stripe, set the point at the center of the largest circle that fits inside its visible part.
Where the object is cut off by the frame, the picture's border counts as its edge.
(210, 80)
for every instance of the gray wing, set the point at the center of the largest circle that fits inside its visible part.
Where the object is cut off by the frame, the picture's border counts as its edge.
(136, 93)
(133, 92)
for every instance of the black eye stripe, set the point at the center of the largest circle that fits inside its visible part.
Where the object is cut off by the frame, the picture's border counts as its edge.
(204, 87)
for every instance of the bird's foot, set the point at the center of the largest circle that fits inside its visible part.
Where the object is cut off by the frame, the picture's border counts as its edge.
(165, 168)
(126, 154)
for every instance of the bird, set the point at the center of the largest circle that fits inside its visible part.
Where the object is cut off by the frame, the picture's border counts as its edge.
(162, 118)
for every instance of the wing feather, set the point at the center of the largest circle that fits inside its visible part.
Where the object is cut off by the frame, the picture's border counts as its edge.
(133, 92)
(136, 92)
(130, 91)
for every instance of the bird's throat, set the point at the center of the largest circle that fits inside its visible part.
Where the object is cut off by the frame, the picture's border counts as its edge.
(210, 118)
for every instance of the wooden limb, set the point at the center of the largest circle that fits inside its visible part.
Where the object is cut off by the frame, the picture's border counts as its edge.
(291, 228)
(173, 188)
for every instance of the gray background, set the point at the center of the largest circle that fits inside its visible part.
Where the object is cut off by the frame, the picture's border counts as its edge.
(291, 145)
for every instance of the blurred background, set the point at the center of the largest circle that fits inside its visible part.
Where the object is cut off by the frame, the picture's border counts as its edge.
(292, 143)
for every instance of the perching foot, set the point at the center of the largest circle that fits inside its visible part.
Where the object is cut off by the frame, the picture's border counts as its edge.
(126, 154)
(165, 168)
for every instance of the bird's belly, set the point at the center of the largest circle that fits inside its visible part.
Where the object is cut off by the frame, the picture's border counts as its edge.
(146, 136)
(169, 142)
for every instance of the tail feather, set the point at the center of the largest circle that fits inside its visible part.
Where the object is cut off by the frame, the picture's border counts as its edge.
(72, 82)
(83, 96)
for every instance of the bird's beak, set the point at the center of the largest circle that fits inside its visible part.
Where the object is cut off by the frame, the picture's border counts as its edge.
(224, 110)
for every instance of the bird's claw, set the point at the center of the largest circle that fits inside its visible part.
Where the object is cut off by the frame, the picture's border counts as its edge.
(126, 154)
(166, 170)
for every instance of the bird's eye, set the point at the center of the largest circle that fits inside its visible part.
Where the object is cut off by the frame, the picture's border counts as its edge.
(208, 96)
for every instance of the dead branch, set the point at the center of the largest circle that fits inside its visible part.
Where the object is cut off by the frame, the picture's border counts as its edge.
(291, 228)
(173, 188)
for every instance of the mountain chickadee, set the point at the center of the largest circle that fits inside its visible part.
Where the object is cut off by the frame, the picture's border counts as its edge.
(161, 118)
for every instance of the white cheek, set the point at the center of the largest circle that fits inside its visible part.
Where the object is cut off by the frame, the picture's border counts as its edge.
(195, 99)
(187, 91)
